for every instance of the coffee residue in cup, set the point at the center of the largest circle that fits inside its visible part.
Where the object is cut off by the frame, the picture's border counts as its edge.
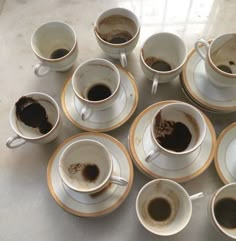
(158, 64)
(174, 136)
(90, 172)
(33, 114)
(74, 168)
(59, 53)
(225, 212)
(98, 92)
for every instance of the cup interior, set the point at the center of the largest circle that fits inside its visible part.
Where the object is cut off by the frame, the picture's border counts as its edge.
(117, 26)
(53, 40)
(178, 128)
(96, 80)
(160, 218)
(85, 166)
(163, 52)
(223, 209)
(222, 54)
(26, 127)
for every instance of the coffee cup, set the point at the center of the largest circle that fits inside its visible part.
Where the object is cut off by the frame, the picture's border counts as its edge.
(86, 166)
(117, 33)
(34, 118)
(96, 84)
(164, 207)
(162, 57)
(223, 210)
(220, 59)
(176, 129)
(55, 45)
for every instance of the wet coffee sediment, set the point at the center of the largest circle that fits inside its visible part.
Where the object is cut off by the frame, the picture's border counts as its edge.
(98, 92)
(33, 114)
(159, 209)
(225, 212)
(174, 136)
(225, 68)
(158, 64)
(59, 53)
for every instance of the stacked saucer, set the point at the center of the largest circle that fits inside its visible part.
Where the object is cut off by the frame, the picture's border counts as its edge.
(201, 92)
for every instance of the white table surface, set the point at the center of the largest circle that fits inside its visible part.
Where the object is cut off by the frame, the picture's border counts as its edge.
(27, 210)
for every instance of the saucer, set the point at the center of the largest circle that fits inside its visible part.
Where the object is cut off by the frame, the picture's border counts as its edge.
(103, 120)
(103, 202)
(225, 154)
(179, 169)
(205, 93)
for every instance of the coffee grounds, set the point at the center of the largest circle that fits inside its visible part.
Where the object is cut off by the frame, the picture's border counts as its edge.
(174, 136)
(90, 172)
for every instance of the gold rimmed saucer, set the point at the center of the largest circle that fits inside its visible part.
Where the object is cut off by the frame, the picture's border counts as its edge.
(103, 120)
(179, 169)
(103, 202)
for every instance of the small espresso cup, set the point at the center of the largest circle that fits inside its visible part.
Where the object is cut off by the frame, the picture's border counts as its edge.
(86, 166)
(223, 210)
(164, 207)
(34, 118)
(55, 45)
(96, 83)
(117, 33)
(162, 57)
(220, 59)
(176, 129)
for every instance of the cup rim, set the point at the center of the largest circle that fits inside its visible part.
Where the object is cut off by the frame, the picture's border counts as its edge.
(212, 203)
(157, 71)
(58, 59)
(138, 25)
(171, 182)
(104, 182)
(185, 151)
(52, 101)
(229, 75)
(89, 62)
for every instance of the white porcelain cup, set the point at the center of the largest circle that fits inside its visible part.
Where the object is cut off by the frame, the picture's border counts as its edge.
(86, 166)
(220, 59)
(164, 207)
(117, 33)
(186, 139)
(223, 210)
(26, 133)
(88, 77)
(55, 45)
(162, 57)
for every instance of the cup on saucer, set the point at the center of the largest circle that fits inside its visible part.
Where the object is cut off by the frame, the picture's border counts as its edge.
(164, 207)
(220, 59)
(162, 57)
(55, 45)
(176, 129)
(117, 33)
(35, 118)
(86, 166)
(96, 84)
(223, 210)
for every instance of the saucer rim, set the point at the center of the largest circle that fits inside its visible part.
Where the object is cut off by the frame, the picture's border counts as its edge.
(107, 210)
(146, 171)
(216, 159)
(194, 96)
(130, 77)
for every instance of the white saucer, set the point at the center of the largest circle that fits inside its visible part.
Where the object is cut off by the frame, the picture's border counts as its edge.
(103, 120)
(179, 169)
(225, 156)
(98, 204)
(198, 86)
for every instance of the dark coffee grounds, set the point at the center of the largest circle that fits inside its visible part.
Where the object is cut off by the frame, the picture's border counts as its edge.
(32, 114)
(90, 172)
(59, 53)
(174, 136)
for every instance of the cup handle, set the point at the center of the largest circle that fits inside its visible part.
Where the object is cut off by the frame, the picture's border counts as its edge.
(123, 60)
(152, 154)
(199, 51)
(41, 69)
(154, 85)
(197, 196)
(119, 180)
(10, 142)
(85, 113)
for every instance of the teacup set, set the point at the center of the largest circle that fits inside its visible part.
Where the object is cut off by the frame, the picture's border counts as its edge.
(90, 174)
